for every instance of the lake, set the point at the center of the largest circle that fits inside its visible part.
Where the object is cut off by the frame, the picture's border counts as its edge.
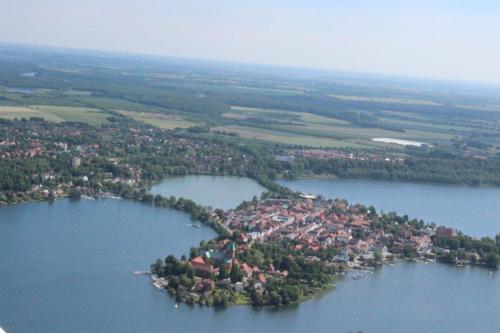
(67, 267)
(475, 211)
(217, 191)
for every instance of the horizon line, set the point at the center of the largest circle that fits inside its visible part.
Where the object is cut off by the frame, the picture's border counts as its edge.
(351, 73)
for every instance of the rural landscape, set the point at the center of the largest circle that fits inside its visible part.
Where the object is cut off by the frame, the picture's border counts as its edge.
(197, 167)
(285, 106)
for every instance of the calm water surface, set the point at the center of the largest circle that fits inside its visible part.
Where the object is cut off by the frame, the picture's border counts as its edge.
(475, 211)
(67, 267)
(217, 191)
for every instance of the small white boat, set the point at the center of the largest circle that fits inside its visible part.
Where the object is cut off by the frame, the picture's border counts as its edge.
(176, 306)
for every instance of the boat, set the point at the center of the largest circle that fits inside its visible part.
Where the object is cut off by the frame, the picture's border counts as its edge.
(111, 196)
(176, 306)
(158, 285)
(357, 276)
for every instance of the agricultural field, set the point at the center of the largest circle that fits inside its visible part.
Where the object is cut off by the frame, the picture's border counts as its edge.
(288, 138)
(289, 106)
(240, 112)
(158, 120)
(390, 100)
(303, 128)
(93, 117)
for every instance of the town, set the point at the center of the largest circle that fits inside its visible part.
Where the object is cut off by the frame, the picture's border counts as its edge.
(281, 251)
(40, 160)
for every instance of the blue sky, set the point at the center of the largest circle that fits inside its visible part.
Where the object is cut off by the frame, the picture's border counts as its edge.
(441, 39)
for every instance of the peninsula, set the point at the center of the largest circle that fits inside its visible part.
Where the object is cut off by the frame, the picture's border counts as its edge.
(281, 251)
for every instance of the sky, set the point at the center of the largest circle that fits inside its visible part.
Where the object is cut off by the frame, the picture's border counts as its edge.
(436, 39)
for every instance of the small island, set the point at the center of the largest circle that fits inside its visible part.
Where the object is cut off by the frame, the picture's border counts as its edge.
(274, 252)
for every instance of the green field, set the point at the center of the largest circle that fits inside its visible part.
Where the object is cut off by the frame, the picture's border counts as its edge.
(300, 117)
(286, 106)
(303, 128)
(93, 117)
(391, 100)
(158, 120)
(287, 137)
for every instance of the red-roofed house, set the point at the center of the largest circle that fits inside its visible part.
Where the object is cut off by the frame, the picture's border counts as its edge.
(246, 269)
(202, 268)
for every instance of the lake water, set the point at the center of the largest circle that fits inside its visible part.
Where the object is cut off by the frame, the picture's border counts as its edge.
(217, 191)
(67, 267)
(475, 211)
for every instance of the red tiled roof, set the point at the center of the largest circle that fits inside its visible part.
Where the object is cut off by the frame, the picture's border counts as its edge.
(198, 261)
(246, 268)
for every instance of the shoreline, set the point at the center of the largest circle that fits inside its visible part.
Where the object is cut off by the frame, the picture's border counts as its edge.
(337, 178)
(425, 238)
(218, 227)
(148, 185)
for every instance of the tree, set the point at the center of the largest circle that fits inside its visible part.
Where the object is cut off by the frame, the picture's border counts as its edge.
(186, 281)
(275, 298)
(492, 260)
(377, 256)
(256, 297)
(293, 292)
(284, 296)
(157, 267)
(148, 198)
(171, 260)
(194, 252)
(223, 273)
(236, 274)
(74, 194)
(409, 252)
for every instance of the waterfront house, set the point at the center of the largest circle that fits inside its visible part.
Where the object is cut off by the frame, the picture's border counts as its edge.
(201, 267)
(446, 232)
